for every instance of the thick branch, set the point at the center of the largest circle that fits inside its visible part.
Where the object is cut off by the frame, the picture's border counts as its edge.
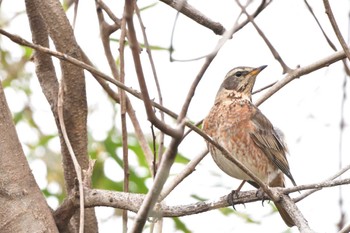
(295, 214)
(132, 201)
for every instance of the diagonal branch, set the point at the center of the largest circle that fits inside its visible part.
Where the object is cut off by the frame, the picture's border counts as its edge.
(320, 26)
(191, 12)
(274, 52)
(155, 76)
(190, 167)
(297, 73)
(106, 30)
(128, 14)
(182, 5)
(159, 180)
(291, 76)
(336, 28)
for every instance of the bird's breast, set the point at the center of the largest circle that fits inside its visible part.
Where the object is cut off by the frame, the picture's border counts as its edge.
(229, 124)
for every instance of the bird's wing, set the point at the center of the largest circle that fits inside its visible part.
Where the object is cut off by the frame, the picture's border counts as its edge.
(269, 141)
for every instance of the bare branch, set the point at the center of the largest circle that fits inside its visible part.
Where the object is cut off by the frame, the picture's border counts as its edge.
(134, 46)
(295, 214)
(106, 30)
(133, 201)
(159, 180)
(274, 52)
(297, 73)
(319, 25)
(110, 13)
(207, 62)
(326, 182)
(123, 107)
(190, 167)
(336, 28)
(73, 157)
(155, 76)
(346, 229)
(238, 27)
(197, 16)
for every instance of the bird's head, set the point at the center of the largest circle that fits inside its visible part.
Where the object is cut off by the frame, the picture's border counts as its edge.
(239, 82)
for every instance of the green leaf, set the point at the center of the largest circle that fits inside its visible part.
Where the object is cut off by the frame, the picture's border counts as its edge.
(227, 211)
(151, 47)
(198, 198)
(148, 6)
(181, 159)
(181, 225)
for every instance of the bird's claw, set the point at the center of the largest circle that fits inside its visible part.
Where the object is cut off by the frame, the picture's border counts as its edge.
(230, 198)
(260, 193)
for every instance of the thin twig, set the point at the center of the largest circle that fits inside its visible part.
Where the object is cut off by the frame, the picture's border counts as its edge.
(156, 80)
(207, 62)
(123, 121)
(159, 180)
(182, 4)
(291, 76)
(336, 28)
(320, 26)
(190, 167)
(109, 12)
(73, 157)
(154, 161)
(106, 30)
(135, 50)
(297, 73)
(76, 4)
(194, 14)
(327, 181)
(263, 88)
(341, 140)
(274, 52)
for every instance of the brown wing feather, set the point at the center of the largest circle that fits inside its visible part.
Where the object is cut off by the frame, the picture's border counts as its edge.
(268, 140)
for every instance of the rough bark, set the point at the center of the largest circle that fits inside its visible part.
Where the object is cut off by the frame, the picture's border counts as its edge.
(23, 206)
(47, 18)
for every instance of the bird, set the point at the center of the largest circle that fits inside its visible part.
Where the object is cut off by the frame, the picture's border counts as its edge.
(237, 125)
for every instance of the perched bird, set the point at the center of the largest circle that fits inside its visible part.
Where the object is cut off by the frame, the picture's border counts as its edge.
(238, 125)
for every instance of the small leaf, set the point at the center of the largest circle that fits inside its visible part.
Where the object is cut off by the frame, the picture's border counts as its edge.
(180, 225)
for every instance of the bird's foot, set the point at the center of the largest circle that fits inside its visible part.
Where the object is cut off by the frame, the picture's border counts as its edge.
(231, 196)
(261, 194)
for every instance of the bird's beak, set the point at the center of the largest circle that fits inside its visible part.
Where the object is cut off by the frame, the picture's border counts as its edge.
(250, 79)
(256, 71)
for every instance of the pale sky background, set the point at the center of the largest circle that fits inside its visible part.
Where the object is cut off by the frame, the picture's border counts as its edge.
(307, 109)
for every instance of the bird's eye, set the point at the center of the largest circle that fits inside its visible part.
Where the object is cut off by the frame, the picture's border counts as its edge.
(238, 73)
